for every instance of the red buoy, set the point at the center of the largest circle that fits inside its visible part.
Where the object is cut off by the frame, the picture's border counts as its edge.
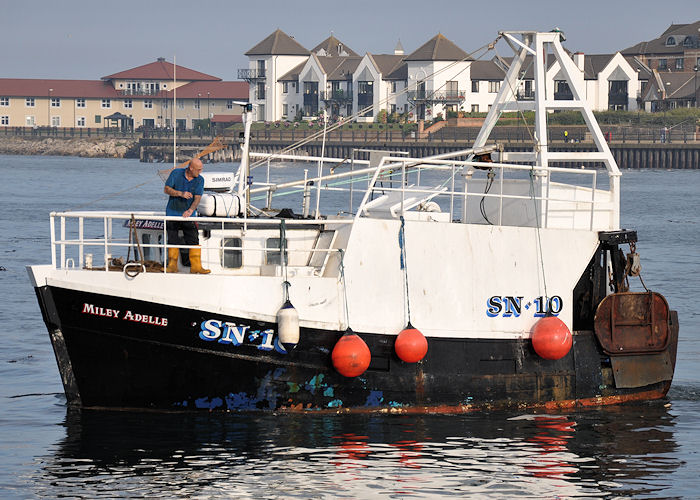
(351, 355)
(551, 338)
(411, 345)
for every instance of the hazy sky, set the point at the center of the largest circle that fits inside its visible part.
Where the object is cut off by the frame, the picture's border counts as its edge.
(88, 39)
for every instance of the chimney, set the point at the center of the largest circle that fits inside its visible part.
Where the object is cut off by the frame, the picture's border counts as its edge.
(578, 60)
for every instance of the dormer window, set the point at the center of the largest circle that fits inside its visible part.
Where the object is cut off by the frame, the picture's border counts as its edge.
(670, 41)
(688, 42)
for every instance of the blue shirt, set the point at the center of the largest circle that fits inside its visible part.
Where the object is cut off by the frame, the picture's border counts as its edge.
(178, 181)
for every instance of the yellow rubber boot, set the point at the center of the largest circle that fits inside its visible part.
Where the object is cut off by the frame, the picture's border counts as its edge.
(196, 262)
(173, 255)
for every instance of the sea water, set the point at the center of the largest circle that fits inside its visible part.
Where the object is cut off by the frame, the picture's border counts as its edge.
(48, 450)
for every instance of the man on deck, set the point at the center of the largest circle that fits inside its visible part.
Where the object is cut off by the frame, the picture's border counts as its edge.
(184, 188)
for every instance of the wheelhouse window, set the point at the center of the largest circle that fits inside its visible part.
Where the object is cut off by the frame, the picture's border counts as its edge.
(80, 102)
(272, 253)
(232, 254)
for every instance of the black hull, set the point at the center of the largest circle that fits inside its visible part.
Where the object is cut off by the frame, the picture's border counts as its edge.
(157, 358)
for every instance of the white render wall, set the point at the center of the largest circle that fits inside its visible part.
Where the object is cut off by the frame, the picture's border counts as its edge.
(443, 71)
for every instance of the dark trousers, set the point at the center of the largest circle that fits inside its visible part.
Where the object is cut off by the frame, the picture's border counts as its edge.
(190, 236)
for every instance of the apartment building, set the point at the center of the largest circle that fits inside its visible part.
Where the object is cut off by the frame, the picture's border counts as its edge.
(290, 82)
(141, 97)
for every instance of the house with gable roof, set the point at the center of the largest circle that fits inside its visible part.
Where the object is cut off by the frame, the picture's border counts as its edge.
(676, 49)
(137, 97)
(269, 60)
(438, 77)
(380, 80)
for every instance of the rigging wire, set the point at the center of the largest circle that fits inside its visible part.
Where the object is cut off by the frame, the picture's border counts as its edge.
(312, 137)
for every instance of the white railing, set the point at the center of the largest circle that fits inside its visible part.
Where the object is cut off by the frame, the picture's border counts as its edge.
(100, 249)
(553, 202)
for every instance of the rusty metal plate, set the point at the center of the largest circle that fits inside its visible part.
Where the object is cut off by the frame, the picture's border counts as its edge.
(641, 370)
(632, 323)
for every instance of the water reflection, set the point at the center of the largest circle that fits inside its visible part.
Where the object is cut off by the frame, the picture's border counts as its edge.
(615, 451)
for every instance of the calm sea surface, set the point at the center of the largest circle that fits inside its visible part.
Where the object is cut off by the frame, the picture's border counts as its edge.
(46, 450)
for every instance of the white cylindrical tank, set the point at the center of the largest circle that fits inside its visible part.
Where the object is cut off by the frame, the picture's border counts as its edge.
(219, 205)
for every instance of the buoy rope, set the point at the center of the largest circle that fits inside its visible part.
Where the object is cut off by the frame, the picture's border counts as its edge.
(283, 259)
(345, 289)
(404, 266)
(539, 238)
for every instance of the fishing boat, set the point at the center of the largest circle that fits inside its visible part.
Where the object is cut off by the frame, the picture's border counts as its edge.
(481, 278)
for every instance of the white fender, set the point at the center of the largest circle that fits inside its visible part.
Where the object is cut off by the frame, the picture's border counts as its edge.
(288, 326)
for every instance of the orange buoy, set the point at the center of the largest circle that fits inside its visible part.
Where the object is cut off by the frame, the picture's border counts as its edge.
(411, 345)
(351, 355)
(551, 338)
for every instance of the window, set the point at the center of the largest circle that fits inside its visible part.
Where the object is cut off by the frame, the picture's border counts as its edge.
(4, 120)
(452, 89)
(106, 103)
(688, 42)
(98, 119)
(29, 102)
(296, 86)
(180, 104)
(663, 64)
(4, 101)
(80, 102)
(494, 86)
(229, 104)
(475, 108)
(165, 104)
(232, 254)
(392, 108)
(148, 104)
(196, 104)
(55, 102)
(679, 63)
(80, 121)
(30, 121)
(260, 91)
(475, 85)
(285, 109)
(670, 41)
(285, 87)
(128, 103)
(55, 121)
(272, 255)
(393, 87)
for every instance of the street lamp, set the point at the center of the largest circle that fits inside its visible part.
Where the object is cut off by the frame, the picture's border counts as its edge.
(695, 95)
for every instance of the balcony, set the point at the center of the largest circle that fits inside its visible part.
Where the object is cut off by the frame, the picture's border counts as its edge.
(336, 96)
(426, 96)
(249, 75)
(141, 92)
